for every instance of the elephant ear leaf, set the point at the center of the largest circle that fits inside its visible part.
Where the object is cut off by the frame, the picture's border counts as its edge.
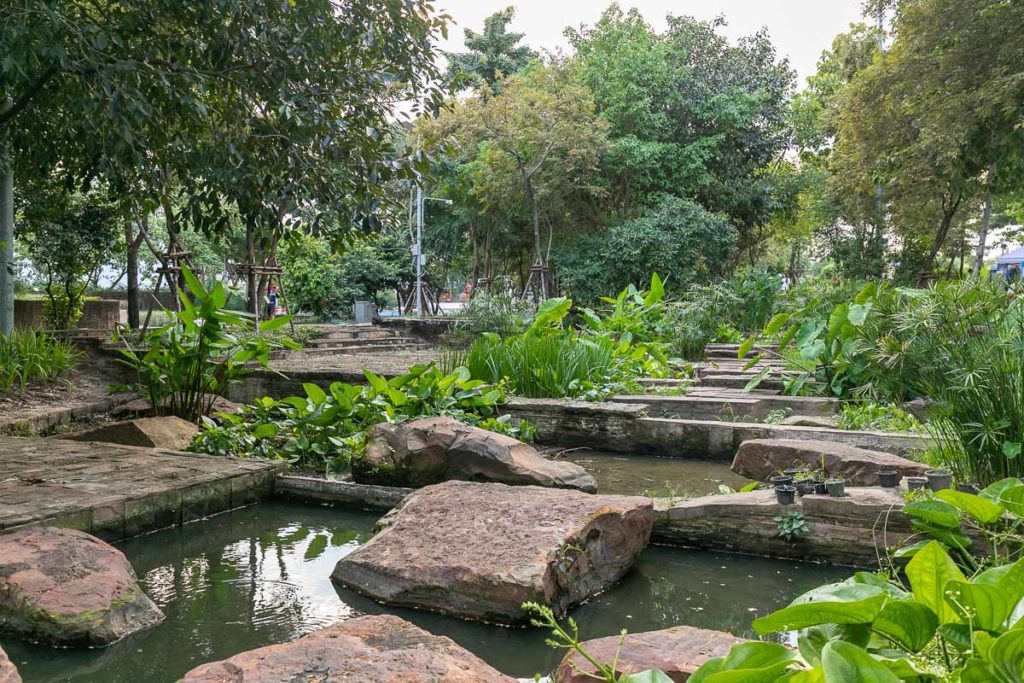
(649, 676)
(929, 571)
(909, 623)
(753, 662)
(846, 663)
(984, 607)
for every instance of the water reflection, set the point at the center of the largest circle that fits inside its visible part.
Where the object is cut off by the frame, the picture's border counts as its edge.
(262, 575)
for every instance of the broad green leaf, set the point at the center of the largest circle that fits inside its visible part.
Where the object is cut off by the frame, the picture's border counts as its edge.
(777, 322)
(275, 323)
(754, 662)
(814, 613)
(837, 319)
(909, 623)
(745, 347)
(859, 313)
(649, 676)
(378, 383)
(265, 430)
(1006, 657)
(981, 509)
(994, 491)
(936, 512)
(929, 571)
(315, 393)
(1012, 499)
(846, 663)
(1008, 578)
(811, 642)
(983, 606)
(657, 291)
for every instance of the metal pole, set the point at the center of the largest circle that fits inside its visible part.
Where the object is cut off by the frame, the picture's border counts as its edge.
(419, 252)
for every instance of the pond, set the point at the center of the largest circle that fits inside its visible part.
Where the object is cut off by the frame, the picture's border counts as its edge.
(260, 575)
(637, 475)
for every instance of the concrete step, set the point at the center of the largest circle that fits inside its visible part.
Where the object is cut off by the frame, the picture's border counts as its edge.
(360, 333)
(731, 350)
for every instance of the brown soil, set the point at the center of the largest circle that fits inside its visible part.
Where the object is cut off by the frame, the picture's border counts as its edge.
(74, 393)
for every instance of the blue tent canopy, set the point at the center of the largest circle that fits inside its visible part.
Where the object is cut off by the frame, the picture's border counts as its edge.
(1010, 264)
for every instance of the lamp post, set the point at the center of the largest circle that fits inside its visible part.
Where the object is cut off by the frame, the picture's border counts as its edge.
(418, 248)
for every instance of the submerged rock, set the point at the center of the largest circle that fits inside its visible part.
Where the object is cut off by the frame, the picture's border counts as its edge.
(480, 551)
(8, 674)
(677, 651)
(65, 587)
(377, 649)
(760, 459)
(436, 449)
(172, 433)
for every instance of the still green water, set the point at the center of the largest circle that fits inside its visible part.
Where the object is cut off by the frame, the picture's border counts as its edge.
(261, 575)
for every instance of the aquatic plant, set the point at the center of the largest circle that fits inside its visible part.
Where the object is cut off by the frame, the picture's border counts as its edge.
(878, 417)
(324, 430)
(185, 365)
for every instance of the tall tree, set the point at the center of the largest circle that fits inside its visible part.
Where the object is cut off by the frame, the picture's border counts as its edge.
(491, 55)
(173, 100)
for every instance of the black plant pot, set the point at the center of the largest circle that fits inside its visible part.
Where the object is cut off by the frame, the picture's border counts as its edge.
(889, 479)
(836, 487)
(783, 480)
(968, 487)
(786, 495)
(794, 472)
(939, 479)
(820, 489)
(917, 483)
(804, 487)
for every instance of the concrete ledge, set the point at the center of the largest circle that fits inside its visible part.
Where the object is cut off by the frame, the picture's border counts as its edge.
(853, 530)
(315, 490)
(58, 416)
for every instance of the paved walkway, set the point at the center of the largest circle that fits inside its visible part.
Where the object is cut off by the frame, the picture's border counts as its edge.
(119, 491)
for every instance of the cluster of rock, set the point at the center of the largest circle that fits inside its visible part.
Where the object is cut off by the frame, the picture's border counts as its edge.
(436, 449)
(760, 459)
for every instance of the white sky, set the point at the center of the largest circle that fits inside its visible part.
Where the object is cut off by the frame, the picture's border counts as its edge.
(800, 29)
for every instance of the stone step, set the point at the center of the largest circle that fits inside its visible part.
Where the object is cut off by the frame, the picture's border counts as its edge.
(738, 381)
(351, 350)
(360, 333)
(732, 350)
(338, 343)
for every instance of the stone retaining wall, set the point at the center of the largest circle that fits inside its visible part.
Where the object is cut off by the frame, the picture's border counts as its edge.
(428, 329)
(97, 314)
(314, 490)
(852, 530)
(625, 428)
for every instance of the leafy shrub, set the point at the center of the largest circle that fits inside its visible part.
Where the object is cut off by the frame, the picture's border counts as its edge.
(29, 356)
(550, 360)
(499, 313)
(184, 365)
(326, 430)
(878, 417)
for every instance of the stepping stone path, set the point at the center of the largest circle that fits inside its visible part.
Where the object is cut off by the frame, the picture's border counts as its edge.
(480, 551)
(8, 674)
(377, 649)
(677, 651)
(64, 587)
(761, 459)
(172, 433)
(436, 449)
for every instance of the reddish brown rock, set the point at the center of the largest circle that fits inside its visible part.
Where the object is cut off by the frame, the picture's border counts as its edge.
(172, 433)
(8, 674)
(677, 651)
(377, 649)
(436, 449)
(760, 459)
(480, 551)
(65, 587)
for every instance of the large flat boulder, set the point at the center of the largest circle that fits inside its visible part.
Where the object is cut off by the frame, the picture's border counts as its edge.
(381, 649)
(436, 449)
(172, 433)
(760, 459)
(479, 551)
(64, 587)
(8, 674)
(677, 651)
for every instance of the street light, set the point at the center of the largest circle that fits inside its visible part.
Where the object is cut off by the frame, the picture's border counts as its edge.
(418, 249)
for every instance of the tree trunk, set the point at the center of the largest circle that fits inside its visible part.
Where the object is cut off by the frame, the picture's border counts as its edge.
(250, 275)
(986, 224)
(948, 211)
(6, 247)
(133, 242)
